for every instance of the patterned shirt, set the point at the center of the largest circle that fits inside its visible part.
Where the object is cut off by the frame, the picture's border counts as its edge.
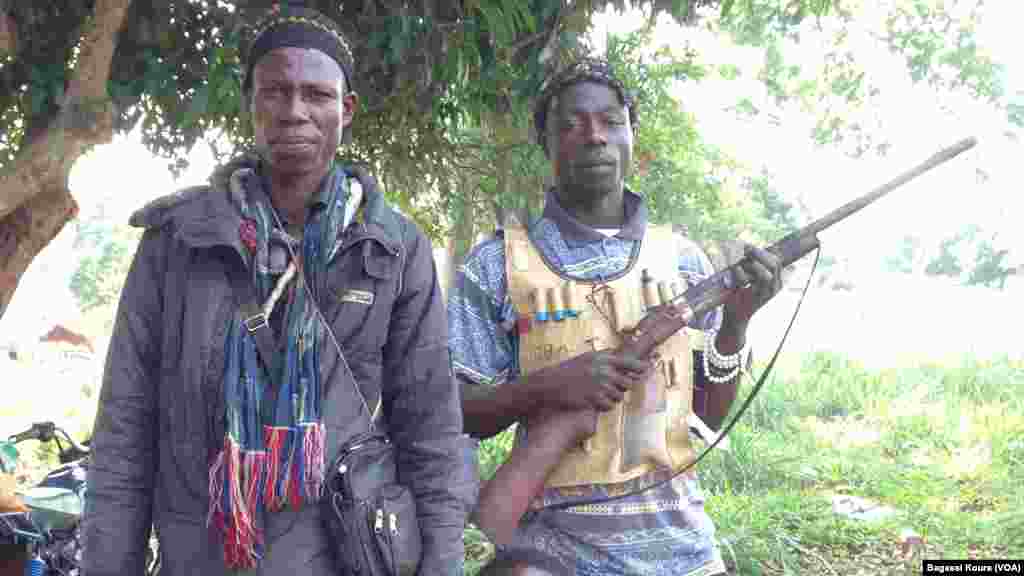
(662, 531)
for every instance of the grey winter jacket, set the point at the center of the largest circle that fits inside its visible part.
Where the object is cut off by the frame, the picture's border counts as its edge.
(160, 419)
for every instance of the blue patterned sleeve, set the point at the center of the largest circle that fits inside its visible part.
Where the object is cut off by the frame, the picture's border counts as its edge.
(480, 316)
(694, 266)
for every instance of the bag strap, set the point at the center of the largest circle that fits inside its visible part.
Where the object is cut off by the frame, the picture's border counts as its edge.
(259, 324)
(255, 322)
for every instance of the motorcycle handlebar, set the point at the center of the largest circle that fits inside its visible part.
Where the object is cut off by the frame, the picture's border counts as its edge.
(81, 449)
(42, 431)
(46, 432)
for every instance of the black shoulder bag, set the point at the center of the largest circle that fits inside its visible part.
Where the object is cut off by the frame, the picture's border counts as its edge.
(369, 517)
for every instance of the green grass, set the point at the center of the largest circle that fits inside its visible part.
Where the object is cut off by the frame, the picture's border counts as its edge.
(492, 452)
(942, 443)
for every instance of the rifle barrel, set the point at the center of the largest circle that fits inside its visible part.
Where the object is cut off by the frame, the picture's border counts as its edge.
(797, 244)
(665, 320)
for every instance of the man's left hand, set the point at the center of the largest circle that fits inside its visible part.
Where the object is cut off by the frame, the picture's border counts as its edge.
(759, 274)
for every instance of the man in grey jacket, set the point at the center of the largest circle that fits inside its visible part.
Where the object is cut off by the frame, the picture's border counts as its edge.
(198, 435)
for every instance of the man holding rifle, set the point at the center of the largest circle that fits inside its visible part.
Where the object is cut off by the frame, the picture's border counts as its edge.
(536, 316)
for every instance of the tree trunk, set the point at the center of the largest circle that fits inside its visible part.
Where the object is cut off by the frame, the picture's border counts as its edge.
(460, 239)
(35, 202)
(521, 196)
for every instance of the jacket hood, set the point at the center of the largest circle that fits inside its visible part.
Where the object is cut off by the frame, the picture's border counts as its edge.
(206, 216)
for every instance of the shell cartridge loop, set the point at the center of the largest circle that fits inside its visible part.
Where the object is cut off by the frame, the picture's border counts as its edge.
(617, 303)
(675, 377)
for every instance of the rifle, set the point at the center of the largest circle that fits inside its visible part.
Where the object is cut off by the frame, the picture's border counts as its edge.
(665, 320)
(519, 487)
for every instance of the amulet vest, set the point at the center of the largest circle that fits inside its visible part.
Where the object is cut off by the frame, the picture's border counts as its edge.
(561, 318)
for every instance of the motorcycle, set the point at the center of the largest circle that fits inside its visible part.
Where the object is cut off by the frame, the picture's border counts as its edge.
(45, 531)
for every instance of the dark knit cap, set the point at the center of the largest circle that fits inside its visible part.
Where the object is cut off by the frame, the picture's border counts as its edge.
(287, 25)
(581, 70)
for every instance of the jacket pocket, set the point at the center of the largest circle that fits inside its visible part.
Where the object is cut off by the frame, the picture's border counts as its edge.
(360, 293)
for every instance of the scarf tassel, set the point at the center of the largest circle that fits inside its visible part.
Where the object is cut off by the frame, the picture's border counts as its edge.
(234, 478)
(313, 449)
(274, 493)
(247, 479)
(295, 464)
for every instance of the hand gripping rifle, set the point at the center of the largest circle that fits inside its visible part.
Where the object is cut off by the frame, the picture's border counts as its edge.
(664, 320)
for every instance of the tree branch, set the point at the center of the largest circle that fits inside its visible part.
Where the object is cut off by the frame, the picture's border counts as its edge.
(26, 231)
(8, 34)
(86, 118)
(528, 40)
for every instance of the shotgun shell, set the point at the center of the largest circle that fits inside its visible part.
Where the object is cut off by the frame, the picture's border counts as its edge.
(569, 299)
(540, 301)
(555, 297)
(650, 294)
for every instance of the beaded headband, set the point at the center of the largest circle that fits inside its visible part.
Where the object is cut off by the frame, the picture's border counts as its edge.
(582, 70)
(298, 27)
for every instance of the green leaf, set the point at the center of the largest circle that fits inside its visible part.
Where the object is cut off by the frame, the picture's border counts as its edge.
(497, 23)
(746, 106)
(729, 71)
(8, 457)
(725, 8)
(199, 105)
(1015, 114)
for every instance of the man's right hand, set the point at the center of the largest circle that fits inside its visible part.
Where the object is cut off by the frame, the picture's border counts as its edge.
(591, 381)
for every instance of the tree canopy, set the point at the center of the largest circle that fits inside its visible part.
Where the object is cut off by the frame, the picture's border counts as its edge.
(74, 72)
(445, 91)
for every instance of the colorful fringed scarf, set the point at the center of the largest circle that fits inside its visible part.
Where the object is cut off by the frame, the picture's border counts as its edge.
(273, 452)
